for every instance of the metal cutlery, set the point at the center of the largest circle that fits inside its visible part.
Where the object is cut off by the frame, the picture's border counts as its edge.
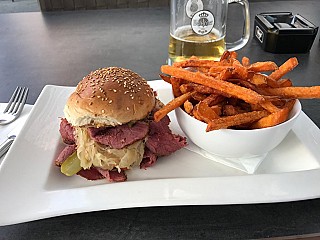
(4, 147)
(15, 106)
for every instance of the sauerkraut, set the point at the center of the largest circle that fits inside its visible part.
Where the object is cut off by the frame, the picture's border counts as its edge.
(92, 153)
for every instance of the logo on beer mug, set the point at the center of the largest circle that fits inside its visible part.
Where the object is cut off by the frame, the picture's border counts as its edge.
(202, 22)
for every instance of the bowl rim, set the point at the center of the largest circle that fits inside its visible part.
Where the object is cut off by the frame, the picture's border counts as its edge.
(297, 105)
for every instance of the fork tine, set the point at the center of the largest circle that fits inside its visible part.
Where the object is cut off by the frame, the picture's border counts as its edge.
(14, 95)
(15, 106)
(20, 100)
(16, 102)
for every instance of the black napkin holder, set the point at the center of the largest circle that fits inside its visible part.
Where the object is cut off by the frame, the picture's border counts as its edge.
(283, 32)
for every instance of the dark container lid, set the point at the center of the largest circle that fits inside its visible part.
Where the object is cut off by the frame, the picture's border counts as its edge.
(286, 23)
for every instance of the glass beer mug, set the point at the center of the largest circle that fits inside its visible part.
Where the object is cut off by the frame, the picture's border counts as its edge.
(198, 28)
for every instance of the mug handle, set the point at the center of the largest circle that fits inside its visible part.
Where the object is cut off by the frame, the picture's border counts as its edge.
(246, 30)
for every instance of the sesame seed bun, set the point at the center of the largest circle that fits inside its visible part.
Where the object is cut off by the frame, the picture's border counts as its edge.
(109, 97)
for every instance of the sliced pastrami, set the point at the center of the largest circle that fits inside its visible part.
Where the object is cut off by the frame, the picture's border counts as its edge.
(65, 153)
(113, 176)
(161, 141)
(149, 159)
(90, 174)
(67, 132)
(120, 136)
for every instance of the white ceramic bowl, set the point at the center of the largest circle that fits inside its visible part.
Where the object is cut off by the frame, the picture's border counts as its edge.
(230, 143)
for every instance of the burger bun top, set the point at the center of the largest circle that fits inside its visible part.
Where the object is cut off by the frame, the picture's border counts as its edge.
(109, 97)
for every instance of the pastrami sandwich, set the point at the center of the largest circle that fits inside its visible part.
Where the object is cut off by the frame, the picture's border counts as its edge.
(109, 127)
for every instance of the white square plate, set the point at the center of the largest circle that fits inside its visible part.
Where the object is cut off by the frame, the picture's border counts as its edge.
(32, 187)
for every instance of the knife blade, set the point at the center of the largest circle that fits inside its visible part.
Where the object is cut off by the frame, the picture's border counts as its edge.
(4, 147)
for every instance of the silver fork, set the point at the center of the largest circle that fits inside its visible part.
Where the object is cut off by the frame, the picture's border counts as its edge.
(15, 106)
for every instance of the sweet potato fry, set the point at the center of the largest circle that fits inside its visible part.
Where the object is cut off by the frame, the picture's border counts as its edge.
(223, 86)
(258, 79)
(262, 80)
(195, 63)
(204, 112)
(268, 105)
(239, 70)
(225, 56)
(217, 108)
(198, 96)
(279, 103)
(213, 99)
(203, 69)
(233, 55)
(202, 63)
(286, 67)
(175, 84)
(238, 119)
(188, 87)
(196, 115)
(274, 118)
(256, 107)
(219, 68)
(246, 84)
(229, 110)
(295, 92)
(226, 74)
(165, 78)
(173, 104)
(245, 61)
(263, 66)
(188, 107)
(284, 83)
(272, 83)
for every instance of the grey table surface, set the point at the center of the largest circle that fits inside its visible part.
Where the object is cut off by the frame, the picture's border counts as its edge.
(60, 48)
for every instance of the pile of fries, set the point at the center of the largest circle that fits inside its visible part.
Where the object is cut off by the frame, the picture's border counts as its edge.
(233, 94)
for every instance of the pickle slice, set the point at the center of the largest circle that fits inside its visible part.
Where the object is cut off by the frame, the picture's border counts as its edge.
(71, 165)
